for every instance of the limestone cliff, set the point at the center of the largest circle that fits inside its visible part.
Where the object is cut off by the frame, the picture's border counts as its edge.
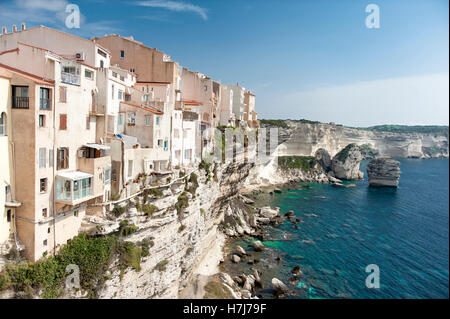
(383, 172)
(304, 139)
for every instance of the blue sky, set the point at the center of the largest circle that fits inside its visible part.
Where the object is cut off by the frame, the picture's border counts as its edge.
(311, 59)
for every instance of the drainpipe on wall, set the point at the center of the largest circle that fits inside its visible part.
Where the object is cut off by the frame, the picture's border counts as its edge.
(54, 171)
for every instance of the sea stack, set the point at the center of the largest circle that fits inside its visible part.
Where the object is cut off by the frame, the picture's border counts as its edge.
(345, 165)
(383, 172)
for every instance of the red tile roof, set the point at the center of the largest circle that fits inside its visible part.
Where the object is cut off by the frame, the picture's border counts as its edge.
(146, 108)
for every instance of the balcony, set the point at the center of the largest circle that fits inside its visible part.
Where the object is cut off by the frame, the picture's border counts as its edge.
(74, 187)
(70, 78)
(21, 102)
(92, 160)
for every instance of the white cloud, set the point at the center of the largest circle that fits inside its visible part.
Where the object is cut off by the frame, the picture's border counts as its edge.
(175, 6)
(411, 100)
(49, 5)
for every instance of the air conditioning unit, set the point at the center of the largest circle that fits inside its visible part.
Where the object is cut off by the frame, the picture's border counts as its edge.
(80, 56)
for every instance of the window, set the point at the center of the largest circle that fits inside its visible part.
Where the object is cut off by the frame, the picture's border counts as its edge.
(114, 74)
(176, 133)
(89, 74)
(112, 92)
(63, 158)
(187, 154)
(122, 78)
(120, 119)
(8, 216)
(48, 230)
(148, 119)
(42, 157)
(206, 88)
(20, 98)
(43, 185)
(50, 158)
(88, 122)
(75, 213)
(120, 95)
(103, 54)
(63, 122)
(177, 154)
(131, 118)
(45, 242)
(130, 168)
(41, 120)
(3, 124)
(127, 97)
(122, 54)
(145, 98)
(62, 94)
(158, 120)
(160, 143)
(132, 70)
(45, 99)
(102, 64)
(107, 176)
(44, 213)
(165, 145)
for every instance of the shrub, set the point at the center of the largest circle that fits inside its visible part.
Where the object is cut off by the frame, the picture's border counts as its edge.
(118, 210)
(161, 266)
(126, 229)
(130, 256)
(181, 228)
(149, 209)
(305, 163)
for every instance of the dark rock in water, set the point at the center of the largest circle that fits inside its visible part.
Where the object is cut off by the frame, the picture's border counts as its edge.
(256, 261)
(278, 258)
(307, 186)
(250, 262)
(296, 270)
(338, 185)
(289, 213)
(295, 227)
(383, 172)
(297, 257)
(240, 251)
(298, 220)
(277, 190)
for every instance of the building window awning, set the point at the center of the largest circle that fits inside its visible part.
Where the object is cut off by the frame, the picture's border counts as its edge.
(74, 176)
(97, 146)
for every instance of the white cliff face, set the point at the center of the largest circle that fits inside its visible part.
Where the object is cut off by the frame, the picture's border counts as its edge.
(304, 139)
(345, 165)
(383, 172)
(185, 252)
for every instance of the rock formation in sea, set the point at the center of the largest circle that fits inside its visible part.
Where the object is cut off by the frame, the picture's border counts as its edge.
(345, 165)
(383, 172)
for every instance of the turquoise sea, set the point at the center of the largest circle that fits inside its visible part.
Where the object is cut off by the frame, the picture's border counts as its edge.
(404, 231)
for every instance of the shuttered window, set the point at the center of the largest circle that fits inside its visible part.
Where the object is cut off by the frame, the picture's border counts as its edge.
(88, 123)
(63, 121)
(63, 158)
(62, 94)
(42, 157)
(50, 158)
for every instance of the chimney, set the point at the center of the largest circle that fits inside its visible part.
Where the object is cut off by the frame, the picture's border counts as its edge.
(4, 30)
(14, 28)
(24, 27)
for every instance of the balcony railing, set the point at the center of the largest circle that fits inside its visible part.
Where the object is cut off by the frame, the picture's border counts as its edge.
(21, 102)
(70, 78)
(45, 104)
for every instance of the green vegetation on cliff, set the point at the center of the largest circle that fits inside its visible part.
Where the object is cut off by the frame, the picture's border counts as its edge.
(343, 154)
(278, 123)
(424, 129)
(93, 256)
(305, 163)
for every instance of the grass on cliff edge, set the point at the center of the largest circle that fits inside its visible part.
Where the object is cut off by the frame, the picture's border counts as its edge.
(93, 256)
(305, 163)
(216, 290)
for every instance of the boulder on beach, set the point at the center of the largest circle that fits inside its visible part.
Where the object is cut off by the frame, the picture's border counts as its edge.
(279, 287)
(258, 246)
(277, 190)
(240, 251)
(269, 212)
(383, 172)
(289, 213)
(235, 258)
